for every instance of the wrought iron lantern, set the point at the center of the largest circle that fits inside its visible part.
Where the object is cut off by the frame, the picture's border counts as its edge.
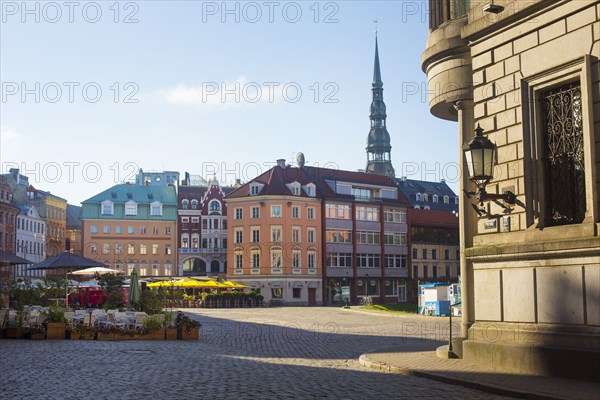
(481, 157)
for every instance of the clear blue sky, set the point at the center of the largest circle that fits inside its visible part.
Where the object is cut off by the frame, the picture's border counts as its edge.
(175, 59)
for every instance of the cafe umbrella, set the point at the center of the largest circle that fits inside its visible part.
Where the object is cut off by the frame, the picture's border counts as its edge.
(134, 288)
(67, 262)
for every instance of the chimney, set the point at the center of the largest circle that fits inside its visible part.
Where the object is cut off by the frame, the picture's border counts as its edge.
(442, 180)
(281, 163)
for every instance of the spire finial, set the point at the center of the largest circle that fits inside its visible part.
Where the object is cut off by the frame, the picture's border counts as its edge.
(376, 69)
(375, 22)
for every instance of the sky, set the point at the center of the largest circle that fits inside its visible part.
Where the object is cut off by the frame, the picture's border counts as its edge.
(94, 91)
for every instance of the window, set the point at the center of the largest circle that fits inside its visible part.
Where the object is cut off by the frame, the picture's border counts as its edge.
(255, 212)
(131, 208)
(118, 229)
(214, 206)
(276, 258)
(255, 254)
(424, 254)
(312, 259)
(255, 234)
(310, 213)
(168, 249)
(395, 261)
(155, 249)
(361, 193)
(118, 248)
(275, 211)
(295, 212)
(155, 230)
(254, 190)
(312, 234)
(563, 155)
(339, 260)
(296, 234)
(276, 234)
(296, 258)
(425, 197)
(167, 230)
(446, 254)
(338, 236)
(185, 220)
(393, 215)
(418, 197)
(434, 254)
(143, 230)
(107, 208)
(446, 200)
(295, 189)
(448, 271)
(434, 272)
(195, 204)
(94, 229)
(239, 260)
(93, 249)
(277, 293)
(310, 190)
(238, 214)
(435, 198)
(396, 239)
(195, 220)
(367, 237)
(367, 213)
(238, 235)
(156, 209)
(106, 229)
(367, 260)
(195, 241)
(337, 211)
(185, 204)
(185, 242)
(105, 248)
(131, 229)
(130, 249)
(426, 272)
(143, 249)
(297, 293)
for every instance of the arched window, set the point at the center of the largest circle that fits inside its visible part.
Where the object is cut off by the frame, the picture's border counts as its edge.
(418, 196)
(435, 198)
(184, 204)
(215, 206)
(194, 204)
(425, 197)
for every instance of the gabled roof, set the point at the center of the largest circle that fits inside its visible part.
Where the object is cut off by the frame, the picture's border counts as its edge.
(436, 218)
(275, 181)
(410, 187)
(141, 194)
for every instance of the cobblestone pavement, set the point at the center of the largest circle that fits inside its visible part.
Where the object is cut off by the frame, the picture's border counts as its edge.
(273, 353)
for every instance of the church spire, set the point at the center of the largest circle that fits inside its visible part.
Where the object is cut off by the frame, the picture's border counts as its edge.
(378, 142)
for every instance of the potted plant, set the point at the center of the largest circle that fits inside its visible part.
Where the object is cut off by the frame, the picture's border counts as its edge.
(16, 329)
(170, 328)
(81, 331)
(36, 332)
(55, 323)
(187, 328)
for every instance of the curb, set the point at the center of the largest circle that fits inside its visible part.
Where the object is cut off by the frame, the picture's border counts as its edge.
(484, 387)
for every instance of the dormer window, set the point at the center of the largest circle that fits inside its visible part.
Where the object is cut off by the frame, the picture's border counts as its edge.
(254, 190)
(194, 204)
(435, 198)
(446, 200)
(156, 209)
(214, 206)
(107, 207)
(418, 196)
(311, 190)
(185, 204)
(131, 208)
(456, 200)
(425, 198)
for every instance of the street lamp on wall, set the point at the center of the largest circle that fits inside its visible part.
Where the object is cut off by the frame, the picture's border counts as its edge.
(481, 156)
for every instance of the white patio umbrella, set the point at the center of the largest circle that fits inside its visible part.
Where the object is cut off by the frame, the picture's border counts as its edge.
(96, 270)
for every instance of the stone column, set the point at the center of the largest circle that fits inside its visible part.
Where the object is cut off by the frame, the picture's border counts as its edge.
(466, 215)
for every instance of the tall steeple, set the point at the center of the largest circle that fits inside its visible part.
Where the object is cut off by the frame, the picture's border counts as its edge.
(378, 142)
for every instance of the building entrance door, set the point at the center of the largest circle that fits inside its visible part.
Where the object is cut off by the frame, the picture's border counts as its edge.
(312, 296)
(401, 293)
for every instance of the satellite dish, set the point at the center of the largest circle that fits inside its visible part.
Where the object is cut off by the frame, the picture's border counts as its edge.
(300, 159)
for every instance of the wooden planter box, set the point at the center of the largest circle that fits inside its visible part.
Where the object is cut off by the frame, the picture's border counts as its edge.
(183, 334)
(83, 336)
(15, 332)
(108, 336)
(37, 336)
(171, 334)
(154, 335)
(56, 330)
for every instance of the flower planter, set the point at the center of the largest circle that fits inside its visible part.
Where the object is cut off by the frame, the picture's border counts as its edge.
(15, 332)
(83, 336)
(108, 336)
(171, 334)
(183, 334)
(56, 330)
(154, 335)
(37, 336)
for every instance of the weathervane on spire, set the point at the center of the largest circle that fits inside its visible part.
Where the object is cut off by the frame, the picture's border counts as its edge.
(375, 22)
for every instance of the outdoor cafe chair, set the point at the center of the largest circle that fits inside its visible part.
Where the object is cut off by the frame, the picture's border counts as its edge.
(69, 317)
(140, 318)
